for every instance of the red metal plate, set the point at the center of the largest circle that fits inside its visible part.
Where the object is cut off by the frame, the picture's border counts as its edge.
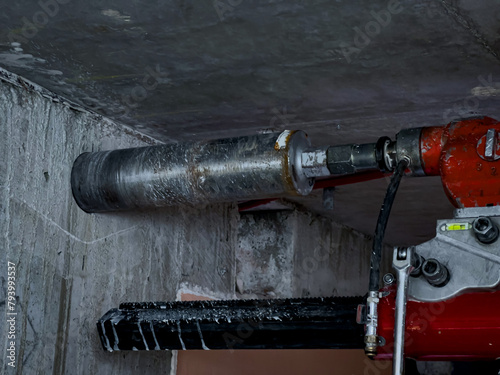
(466, 327)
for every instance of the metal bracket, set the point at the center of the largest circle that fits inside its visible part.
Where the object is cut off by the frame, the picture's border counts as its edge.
(472, 264)
(402, 263)
(473, 212)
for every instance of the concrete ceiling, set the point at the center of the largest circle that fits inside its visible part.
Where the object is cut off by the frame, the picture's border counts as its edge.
(343, 71)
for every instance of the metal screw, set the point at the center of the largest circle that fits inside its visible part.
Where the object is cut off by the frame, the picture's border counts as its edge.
(486, 231)
(389, 279)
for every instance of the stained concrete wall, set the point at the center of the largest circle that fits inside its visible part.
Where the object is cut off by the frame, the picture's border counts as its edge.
(299, 254)
(71, 267)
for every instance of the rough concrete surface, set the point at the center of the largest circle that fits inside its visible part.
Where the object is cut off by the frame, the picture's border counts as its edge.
(71, 267)
(329, 259)
(187, 69)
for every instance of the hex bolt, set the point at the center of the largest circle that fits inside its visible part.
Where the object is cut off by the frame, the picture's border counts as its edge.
(435, 273)
(389, 279)
(486, 230)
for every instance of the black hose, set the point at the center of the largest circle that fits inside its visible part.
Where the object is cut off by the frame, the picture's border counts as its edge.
(383, 218)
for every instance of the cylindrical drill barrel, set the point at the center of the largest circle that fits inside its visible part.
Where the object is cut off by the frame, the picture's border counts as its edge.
(265, 165)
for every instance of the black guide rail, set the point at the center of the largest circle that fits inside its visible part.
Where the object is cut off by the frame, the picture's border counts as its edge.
(308, 323)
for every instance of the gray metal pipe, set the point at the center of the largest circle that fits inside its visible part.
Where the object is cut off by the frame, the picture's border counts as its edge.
(243, 168)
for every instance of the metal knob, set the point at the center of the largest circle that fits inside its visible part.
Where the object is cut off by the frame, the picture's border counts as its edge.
(435, 273)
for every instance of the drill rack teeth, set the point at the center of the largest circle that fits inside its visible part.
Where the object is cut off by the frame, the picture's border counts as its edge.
(308, 323)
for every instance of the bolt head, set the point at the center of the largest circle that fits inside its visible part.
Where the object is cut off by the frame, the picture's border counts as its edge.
(389, 279)
(482, 225)
(486, 231)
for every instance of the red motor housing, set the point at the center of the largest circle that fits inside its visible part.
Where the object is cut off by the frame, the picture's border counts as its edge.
(466, 327)
(457, 152)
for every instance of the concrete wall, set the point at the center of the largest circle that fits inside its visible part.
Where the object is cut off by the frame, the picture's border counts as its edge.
(299, 254)
(71, 267)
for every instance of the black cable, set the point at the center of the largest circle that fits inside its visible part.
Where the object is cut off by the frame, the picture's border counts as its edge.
(383, 218)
